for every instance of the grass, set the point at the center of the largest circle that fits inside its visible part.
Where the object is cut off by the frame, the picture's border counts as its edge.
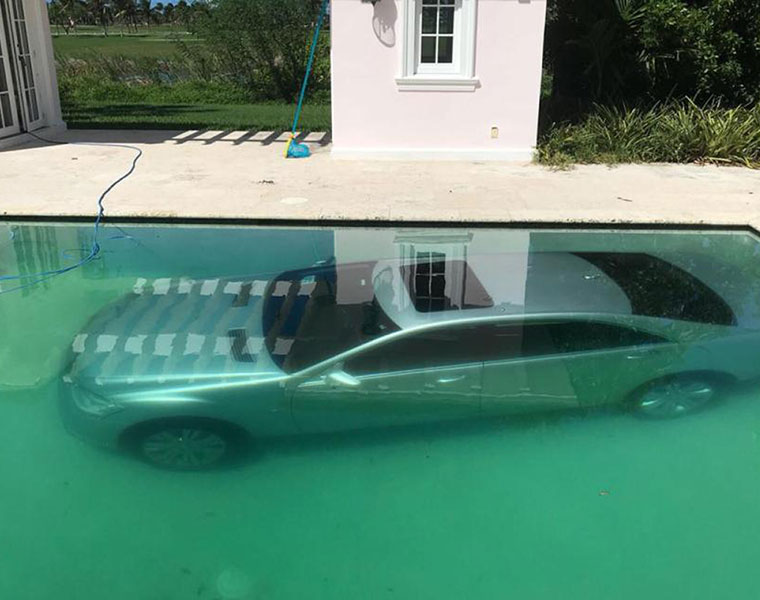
(131, 46)
(261, 116)
(679, 132)
(139, 81)
(154, 42)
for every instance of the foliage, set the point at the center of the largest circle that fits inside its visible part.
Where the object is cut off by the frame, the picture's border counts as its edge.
(72, 15)
(262, 45)
(139, 45)
(652, 50)
(678, 131)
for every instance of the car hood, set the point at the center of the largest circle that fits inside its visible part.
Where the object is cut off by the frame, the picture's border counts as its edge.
(177, 329)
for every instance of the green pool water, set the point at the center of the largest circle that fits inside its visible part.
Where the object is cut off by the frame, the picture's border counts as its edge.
(592, 504)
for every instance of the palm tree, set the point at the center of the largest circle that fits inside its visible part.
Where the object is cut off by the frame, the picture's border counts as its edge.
(101, 12)
(126, 13)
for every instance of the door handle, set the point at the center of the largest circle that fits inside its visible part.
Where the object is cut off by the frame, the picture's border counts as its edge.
(450, 379)
(341, 378)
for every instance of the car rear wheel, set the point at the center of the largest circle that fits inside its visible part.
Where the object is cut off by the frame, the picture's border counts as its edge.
(676, 396)
(186, 445)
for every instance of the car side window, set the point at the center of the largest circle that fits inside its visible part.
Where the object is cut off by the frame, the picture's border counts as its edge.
(581, 336)
(428, 349)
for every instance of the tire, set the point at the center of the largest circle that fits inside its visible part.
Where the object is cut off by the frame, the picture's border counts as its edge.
(676, 396)
(186, 444)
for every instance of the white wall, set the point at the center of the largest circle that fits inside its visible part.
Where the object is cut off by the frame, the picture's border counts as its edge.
(371, 116)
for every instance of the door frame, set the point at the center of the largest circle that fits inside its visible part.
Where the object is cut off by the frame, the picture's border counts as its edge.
(7, 65)
(24, 91)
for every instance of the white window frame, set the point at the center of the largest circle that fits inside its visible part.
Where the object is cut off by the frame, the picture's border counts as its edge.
(457, 76)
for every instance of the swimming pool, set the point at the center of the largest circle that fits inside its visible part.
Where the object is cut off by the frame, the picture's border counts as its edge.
(468, 488)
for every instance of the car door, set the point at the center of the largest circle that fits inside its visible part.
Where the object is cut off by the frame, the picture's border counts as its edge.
(606, 361)
(523, 374)
(424, 376)
(572, 363)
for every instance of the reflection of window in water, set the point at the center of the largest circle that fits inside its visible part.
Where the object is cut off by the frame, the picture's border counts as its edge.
(436, 283)
(430, 282)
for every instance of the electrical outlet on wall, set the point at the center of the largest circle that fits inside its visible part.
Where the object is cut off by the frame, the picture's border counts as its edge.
(494, 132)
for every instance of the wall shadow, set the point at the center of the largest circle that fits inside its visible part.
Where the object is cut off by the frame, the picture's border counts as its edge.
(384, 22)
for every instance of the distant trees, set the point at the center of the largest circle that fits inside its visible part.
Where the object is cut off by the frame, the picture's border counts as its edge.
(261, 45)
(66, 15)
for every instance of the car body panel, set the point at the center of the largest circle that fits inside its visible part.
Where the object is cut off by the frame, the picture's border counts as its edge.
(226, 349)
(388, 399)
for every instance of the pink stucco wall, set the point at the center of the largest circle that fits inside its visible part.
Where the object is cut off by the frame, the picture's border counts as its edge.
(370, 114)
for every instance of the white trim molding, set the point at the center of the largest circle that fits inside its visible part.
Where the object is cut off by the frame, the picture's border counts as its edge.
(460, 74)
(442, 154)
(437, 84)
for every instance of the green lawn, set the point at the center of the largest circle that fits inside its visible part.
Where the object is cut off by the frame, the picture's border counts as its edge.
(148, 43)
(100, 99)
(195, 116)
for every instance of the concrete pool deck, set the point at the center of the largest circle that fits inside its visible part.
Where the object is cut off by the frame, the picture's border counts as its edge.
(242, 175)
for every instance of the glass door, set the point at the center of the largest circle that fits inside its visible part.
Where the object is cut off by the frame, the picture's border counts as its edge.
(25, 70)
(9, 122)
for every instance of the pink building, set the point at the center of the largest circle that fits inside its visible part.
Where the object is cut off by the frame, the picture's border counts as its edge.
(436, 78)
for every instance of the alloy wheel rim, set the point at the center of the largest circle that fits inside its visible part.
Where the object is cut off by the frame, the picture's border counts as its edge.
(676, 398)
(184, 448)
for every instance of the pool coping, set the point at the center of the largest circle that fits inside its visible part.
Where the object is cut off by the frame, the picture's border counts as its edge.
(211, 178)
(399, 223)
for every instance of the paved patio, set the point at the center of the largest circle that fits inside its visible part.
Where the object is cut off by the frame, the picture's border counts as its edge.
(242, 175)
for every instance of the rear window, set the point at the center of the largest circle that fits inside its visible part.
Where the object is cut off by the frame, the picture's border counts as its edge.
(657, 288)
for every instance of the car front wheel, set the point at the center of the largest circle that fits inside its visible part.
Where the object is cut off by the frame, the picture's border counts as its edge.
(675, 396)
(185, 445)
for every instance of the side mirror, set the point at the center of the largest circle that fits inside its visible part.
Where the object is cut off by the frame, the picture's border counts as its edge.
(341, 378)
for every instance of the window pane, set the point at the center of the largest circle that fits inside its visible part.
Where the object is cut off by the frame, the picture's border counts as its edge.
(427, 54)
(657, 288)
(433, 2)
(35, 107)
(428, 19)
(445, 49)
(578, 336)
(441, 347)
(5, 110)
(449, 2)
(446, 20)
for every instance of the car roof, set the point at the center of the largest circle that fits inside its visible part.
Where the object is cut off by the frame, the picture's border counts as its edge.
(496, 284)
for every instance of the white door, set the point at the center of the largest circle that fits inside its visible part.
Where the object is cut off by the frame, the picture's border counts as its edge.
(9, 121)
(24, 61)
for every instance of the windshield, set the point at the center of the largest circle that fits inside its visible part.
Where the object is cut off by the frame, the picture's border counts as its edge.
(312, 315)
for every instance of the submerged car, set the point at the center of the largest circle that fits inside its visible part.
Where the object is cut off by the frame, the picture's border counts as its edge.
(183, 372)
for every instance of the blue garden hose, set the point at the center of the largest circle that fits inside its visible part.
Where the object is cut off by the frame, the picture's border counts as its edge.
(32, 279)
(296, 149)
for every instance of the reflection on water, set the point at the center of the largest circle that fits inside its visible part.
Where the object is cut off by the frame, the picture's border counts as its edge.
(389, 413)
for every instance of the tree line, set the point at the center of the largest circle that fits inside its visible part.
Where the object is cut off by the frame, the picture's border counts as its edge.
(68, 15)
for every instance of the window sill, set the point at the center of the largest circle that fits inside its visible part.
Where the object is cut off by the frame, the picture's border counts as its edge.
(436, 83)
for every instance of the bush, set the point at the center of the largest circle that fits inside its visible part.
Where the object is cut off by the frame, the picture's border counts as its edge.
(261, 45)
(653, 50)
(673, 132)
(121, 79)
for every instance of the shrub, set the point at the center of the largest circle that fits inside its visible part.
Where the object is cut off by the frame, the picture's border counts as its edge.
(261, 45)
(674, 132)
(655, 49)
